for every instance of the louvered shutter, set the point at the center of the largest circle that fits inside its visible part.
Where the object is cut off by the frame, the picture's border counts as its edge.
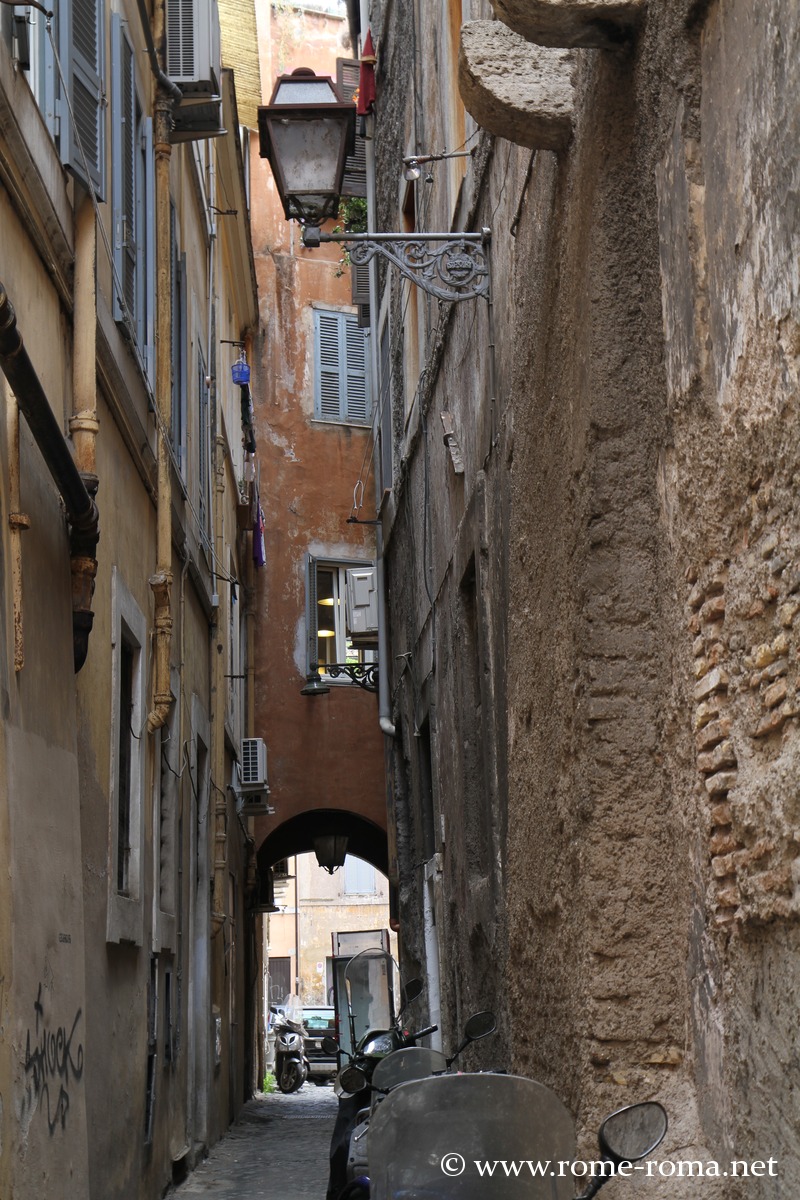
(355, 167)
(312, 652)
(123, 161)
(359, 283)
(355, 370)
(328, 357)
(81, 51)
(149, 251)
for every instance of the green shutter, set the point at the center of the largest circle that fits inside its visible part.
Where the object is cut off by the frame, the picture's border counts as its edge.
(354, 183)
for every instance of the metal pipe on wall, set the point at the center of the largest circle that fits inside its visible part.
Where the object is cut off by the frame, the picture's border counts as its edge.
(161, 581)
(76, 492)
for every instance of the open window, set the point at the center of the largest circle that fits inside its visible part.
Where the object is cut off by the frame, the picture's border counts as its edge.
(337, 631)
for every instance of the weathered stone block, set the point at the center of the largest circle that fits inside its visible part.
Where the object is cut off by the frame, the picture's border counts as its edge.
(715, 732)
(598, 24)
(721, 814)
(723, 781)
(718, 758)
(723, 843)
(775, 693)
(764, 655)
(713, 610)
(716, 681)
(517, 91)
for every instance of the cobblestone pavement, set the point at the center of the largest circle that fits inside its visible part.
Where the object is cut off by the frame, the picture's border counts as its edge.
(277, 1150)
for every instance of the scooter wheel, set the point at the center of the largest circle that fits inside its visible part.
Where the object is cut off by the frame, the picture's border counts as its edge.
(357, 1189)
(290, 1079)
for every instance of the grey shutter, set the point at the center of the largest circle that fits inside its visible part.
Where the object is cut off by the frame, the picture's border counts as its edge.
(356, 380)
(355, 167)
(123, 109)
(312, 651)
(81, 42)
(359, 282)
(149, 252)
(328, 354)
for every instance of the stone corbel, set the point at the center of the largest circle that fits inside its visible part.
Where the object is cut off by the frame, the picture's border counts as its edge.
(517, 91)
(589, 24)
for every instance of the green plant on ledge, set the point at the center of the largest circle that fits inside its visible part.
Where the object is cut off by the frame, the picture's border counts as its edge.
(353, 219)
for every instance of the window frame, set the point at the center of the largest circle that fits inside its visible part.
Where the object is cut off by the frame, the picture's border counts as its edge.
(125, 918)
(314, 564)
(134, 249)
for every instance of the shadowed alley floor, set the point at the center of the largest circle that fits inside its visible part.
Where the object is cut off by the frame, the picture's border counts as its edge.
(277, 1150)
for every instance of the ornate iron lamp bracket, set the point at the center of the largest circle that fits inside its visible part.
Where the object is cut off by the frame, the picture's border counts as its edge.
(364, 674)
(446, 265)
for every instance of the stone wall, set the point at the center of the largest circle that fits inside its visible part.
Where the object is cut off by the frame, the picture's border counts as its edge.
(640, 865)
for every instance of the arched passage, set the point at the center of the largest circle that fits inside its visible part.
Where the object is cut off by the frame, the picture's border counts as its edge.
(365, 839)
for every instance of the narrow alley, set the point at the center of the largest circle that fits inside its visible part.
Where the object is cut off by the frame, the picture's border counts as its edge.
(277, 1147)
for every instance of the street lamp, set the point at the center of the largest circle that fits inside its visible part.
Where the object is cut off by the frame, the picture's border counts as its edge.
(307, 131)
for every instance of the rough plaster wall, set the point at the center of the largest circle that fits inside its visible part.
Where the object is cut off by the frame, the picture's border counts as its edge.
(654, 585)
(729, 495)
(600, 840)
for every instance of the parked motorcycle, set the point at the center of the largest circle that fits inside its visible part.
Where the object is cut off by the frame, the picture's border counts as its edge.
(375, 1033)
(493, 1137)
(291, 1064)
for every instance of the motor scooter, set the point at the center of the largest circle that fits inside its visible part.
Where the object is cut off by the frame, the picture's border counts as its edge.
(291, 1064)
(494, 1137)
(369, 1006)
(403, 1066)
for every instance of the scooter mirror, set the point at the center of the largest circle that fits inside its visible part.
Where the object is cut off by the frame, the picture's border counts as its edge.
(330, 1045)
(633, 1132)
(413, 988)
(480, 1025)
(352, 1080)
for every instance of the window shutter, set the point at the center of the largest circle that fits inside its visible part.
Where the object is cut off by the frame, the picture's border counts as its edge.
(355, 168)
(312, 652)
(328, 355)
(81, 43)
(150, 252)
(123, 108)
(357, 402)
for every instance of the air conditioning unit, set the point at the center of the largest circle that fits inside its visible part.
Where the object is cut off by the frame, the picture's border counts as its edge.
(193, 47)
(255, 804)
(253, 766)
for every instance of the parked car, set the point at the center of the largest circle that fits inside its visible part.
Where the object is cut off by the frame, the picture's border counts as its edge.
(319, 1023)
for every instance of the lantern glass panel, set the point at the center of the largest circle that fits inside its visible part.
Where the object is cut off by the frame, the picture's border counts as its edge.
(305, 91)
(308, 152)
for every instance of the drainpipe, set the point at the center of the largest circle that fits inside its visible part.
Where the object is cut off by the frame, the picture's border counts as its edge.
(384, 704)
(76, 491)
(161, 581)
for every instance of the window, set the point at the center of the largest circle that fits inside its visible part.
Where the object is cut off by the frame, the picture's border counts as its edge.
(126, 808)
(78, 33)
(330, 636)
(359, 877)
(178, 344)
(133, 197)
(341, 377)
(203, 449)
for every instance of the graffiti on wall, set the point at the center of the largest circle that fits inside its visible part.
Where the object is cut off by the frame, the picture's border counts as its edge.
(53, 1060)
